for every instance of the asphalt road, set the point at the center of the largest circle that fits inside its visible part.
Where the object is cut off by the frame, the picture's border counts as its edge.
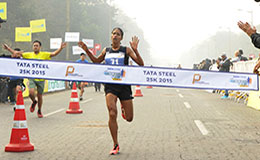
(176, 124)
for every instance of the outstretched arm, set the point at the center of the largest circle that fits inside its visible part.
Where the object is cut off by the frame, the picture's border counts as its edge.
(257, 66)
(246, 28)
(55, 53)
(133, 53)
(14, 53)
(251, 32)
(94, 59)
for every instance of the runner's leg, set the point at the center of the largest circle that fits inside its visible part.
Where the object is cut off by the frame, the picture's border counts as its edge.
(111, 100)
(127, 106)
(31, 94)
(81, 89)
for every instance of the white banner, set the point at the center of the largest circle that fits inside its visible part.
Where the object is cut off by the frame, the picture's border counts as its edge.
(72, 37)
(55, 43)
(88, 42)
(54, 85)
(76, 50)
(132, 75)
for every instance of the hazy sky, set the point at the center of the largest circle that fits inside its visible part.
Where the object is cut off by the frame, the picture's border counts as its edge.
(173, 26)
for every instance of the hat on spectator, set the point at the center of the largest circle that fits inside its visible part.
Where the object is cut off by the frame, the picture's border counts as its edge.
(223, 55)
(1, 20)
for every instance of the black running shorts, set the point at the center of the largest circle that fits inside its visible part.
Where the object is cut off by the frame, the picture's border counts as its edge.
(123, 92)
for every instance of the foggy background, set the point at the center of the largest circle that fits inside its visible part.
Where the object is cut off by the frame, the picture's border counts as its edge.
(167, 37)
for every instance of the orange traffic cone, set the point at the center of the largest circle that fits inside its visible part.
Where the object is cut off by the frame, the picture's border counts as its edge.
(149, 87)
(19, 141)
(138, 91)
(74, 107)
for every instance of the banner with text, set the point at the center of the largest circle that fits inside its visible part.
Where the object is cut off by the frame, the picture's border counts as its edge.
(132, 75)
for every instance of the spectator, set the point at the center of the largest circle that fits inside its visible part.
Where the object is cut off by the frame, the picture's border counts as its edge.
(97, 87)
(251, 32)
(214, 66)
(195, 66)
(179, 66)
(224, 66)
(81, 85)
(4, 81)
(205, 64)
(201, 65)
(15, 84)
(238, 56)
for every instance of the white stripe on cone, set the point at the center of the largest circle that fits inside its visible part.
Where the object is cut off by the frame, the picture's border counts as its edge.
(19, 106)
(20, 124)
(74, 99)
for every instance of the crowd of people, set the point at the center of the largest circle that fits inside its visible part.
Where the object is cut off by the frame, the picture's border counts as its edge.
(217, 64)
(221, 64)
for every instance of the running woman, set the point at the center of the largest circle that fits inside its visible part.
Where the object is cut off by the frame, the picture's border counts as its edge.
(117, 55)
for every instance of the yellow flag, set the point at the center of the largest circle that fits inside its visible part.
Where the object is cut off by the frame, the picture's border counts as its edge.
(23, 34)
(38, 25)
(3, 10)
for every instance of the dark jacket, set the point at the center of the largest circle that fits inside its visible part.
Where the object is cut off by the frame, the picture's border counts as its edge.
(225, 66)
(256, 40)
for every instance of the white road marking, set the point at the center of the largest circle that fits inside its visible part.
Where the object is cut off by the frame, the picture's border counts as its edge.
(90, 99)
(187, 105)
(57, 111)
(181, 95)
(201, 127)
(177, 90)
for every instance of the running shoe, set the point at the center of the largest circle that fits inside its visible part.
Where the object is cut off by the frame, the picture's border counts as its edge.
(32, 108)
(39, 113)
(123, 112)
(80, 98)
(224, 97)
(115, 150)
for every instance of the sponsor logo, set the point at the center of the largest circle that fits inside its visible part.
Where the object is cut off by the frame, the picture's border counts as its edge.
(24, 138)
(2, 10)
(38, 26)
(116, 73)
(197, 80)
(242, 81)
(70, 72)
(24, 34)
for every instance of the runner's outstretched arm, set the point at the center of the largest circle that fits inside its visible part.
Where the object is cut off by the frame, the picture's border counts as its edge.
(55, 53)
(94, 59)
(133, 53)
